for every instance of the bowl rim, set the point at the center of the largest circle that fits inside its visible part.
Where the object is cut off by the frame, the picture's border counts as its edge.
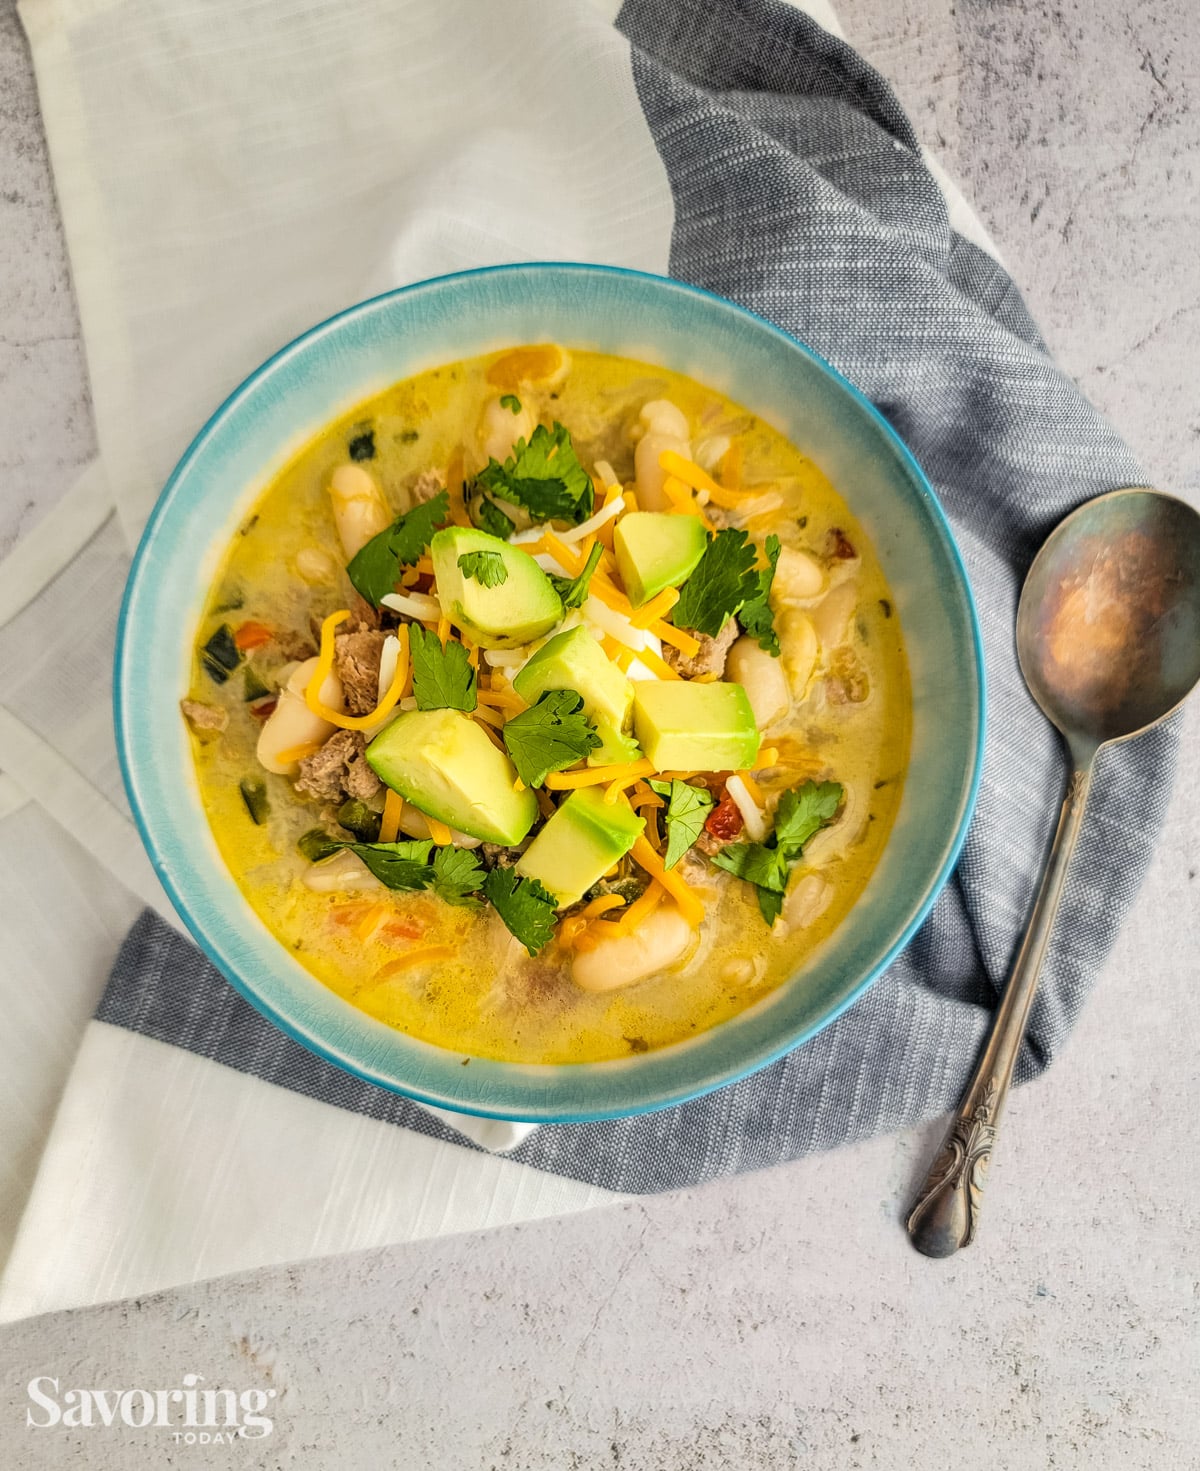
(532, 1110)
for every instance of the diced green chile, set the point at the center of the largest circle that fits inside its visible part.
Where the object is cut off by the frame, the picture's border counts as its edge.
(317, 844)
(362, 446)
(356, 817)
(253, 687)
(220, 655)
(254, 794)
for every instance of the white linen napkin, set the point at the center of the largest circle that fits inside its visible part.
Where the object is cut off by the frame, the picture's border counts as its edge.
(229, 175)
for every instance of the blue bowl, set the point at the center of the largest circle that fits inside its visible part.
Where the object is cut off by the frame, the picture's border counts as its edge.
(361, 351)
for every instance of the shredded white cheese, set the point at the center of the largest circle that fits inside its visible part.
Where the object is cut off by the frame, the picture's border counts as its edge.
(413, 604)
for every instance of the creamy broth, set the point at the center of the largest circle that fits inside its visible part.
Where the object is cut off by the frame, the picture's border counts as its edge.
(455, 976)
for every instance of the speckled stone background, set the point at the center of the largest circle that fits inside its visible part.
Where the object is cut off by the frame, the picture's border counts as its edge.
(779, 1320)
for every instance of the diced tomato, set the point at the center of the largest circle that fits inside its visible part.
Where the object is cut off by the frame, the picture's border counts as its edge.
(252, 635)
(725, 820)
(261, 709)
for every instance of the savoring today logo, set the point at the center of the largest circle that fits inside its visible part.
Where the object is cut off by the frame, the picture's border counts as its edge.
(191, 1415)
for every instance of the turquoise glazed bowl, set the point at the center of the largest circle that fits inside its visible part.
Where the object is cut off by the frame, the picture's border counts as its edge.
(358, 353)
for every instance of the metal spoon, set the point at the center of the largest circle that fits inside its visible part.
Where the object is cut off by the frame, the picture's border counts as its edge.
(1108, 639)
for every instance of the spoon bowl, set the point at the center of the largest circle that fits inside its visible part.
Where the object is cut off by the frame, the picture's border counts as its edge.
(1108, 628)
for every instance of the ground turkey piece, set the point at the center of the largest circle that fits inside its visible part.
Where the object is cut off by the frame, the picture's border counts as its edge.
(356, 659)
(712, 654)
(204, 717)
(338, 769)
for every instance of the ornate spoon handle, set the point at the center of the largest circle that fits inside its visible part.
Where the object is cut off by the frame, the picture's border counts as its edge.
(945, 1215)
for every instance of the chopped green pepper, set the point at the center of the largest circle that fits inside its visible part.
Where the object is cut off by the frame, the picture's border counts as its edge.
(254, 794)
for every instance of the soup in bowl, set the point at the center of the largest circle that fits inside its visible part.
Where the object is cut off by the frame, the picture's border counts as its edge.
(547, 707)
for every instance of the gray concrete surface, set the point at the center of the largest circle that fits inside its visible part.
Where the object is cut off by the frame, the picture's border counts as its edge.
(778, 1320)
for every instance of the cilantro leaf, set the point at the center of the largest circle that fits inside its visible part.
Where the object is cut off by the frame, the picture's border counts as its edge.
(524, 906)
(442, 677)
(543, 476)
(687, 809)
(574, 590)
(511, 402)
(486, 568)
(375, 568)
(755, 614)
(802, 812)
(763, 866)
(457, 876)
(723, 580)
(398, 865)
(488, 516)
(770, 904)
(549, 736)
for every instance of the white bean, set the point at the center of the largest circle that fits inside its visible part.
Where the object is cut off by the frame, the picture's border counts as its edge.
(807, 900)
(762, 677)
(832, 617)
(661, 416)
(798, 578)
(500, 428)
(650, 474)
(659, 942)
(345, 873)
(292, 723)
(416, 825)
(359, 509)
(798, 642)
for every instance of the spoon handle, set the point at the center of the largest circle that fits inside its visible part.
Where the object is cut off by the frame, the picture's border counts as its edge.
(945, 1214)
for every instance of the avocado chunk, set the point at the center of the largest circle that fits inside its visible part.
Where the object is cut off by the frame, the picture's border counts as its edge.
(573, 660)
(695, 727)
(579, 844)
(519, 605)
(654, 550)
(441, 762)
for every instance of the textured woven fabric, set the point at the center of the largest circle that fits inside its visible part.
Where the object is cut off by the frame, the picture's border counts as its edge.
(799, 191)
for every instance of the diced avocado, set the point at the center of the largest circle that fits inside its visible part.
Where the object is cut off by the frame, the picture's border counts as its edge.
(580, 843)
(521, 606)
(573, 660)
(441, 762)
(654, 550)
(694, 727)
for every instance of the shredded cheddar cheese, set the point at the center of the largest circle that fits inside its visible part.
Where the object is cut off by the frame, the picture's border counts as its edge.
(439, 832)
(657, 607)
(597, 776)
(688, 646)
(689, 906)
(312, 691)
(393, 811)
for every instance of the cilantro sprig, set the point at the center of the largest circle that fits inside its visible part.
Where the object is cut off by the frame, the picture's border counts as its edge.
(801, 813)
(755, 614)
(574, 590)
(723, 581)
(549, 736)
(542, 476)
(687, 809)
(453, 874)
(375, 568)
(524, 905)
(442, 677)
(486, 568)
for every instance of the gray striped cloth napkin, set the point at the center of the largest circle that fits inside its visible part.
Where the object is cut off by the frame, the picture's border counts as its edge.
(799, 191)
